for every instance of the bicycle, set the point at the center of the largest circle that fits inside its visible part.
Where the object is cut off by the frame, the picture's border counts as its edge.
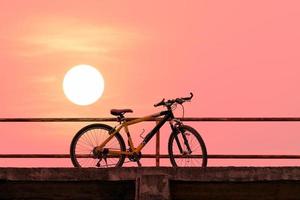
(100, 145)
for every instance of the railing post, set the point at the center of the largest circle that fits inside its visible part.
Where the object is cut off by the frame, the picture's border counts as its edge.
(157, 152)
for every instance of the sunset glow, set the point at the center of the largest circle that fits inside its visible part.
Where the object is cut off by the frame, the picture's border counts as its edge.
(239, 58)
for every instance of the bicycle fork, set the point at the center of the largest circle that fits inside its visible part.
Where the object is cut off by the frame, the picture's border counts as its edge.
(178, 128)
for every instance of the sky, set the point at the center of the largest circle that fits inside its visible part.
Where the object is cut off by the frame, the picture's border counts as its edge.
(239, 58)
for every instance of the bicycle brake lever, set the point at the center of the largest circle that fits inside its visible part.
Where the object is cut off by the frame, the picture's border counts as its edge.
(160, 103)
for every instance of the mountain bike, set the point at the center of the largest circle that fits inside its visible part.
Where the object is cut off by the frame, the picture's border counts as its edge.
(102, 146)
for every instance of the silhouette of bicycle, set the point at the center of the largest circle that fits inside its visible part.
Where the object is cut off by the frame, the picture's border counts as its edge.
(100, 145)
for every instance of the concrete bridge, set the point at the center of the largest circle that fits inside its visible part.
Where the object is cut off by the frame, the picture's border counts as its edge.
(151, 183)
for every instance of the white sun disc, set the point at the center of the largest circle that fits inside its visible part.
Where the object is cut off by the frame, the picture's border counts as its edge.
(83, 85)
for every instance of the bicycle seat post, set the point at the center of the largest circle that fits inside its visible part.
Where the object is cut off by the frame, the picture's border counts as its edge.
(120, 118)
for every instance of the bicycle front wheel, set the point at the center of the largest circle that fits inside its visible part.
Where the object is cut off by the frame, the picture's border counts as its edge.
(87, 139)
(187, 148)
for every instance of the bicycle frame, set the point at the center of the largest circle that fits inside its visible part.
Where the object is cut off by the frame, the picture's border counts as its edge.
(168, 115)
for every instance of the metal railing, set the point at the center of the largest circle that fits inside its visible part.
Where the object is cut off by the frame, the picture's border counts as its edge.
(157, 154)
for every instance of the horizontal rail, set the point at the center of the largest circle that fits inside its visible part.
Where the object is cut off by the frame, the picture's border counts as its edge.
(212, 156)
(163, 156)
(204, 119)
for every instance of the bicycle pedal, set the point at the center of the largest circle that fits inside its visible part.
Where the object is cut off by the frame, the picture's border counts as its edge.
(98, 163)
(139, 163)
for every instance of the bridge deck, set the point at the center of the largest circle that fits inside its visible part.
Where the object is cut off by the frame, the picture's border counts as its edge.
(151, 183)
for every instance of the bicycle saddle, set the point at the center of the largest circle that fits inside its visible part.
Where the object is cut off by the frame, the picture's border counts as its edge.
(117, 112)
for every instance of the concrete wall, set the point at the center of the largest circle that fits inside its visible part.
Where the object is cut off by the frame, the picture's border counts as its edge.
(67, 190)
(261, 190)
(151, 183)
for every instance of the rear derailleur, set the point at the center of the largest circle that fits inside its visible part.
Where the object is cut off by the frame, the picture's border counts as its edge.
(100, 155)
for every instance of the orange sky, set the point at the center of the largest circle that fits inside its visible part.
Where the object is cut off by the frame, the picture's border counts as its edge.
(239, 58)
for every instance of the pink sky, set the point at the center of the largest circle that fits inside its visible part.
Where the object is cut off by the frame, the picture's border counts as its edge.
(239, 58)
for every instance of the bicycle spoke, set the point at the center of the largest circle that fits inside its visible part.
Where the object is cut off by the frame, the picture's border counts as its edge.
(185, 158)
(86, 143)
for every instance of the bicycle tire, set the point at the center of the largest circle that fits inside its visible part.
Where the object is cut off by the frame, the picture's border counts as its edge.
(172, 144)
(94, 129)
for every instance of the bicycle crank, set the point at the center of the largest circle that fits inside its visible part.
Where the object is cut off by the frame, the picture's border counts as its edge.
(135, 157)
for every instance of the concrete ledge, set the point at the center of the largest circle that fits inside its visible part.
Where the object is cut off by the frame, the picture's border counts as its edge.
(209, 174)
(151, 183)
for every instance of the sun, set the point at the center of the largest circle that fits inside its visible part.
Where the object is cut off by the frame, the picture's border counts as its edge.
(83, 85)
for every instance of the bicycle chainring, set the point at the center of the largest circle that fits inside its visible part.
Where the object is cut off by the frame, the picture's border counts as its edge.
(135, 157)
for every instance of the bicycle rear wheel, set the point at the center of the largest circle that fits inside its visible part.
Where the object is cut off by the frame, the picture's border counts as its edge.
(87, 139)
(179, 153)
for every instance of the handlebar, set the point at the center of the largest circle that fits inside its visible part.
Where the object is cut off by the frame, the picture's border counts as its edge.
(170, 102)
(161, 103)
